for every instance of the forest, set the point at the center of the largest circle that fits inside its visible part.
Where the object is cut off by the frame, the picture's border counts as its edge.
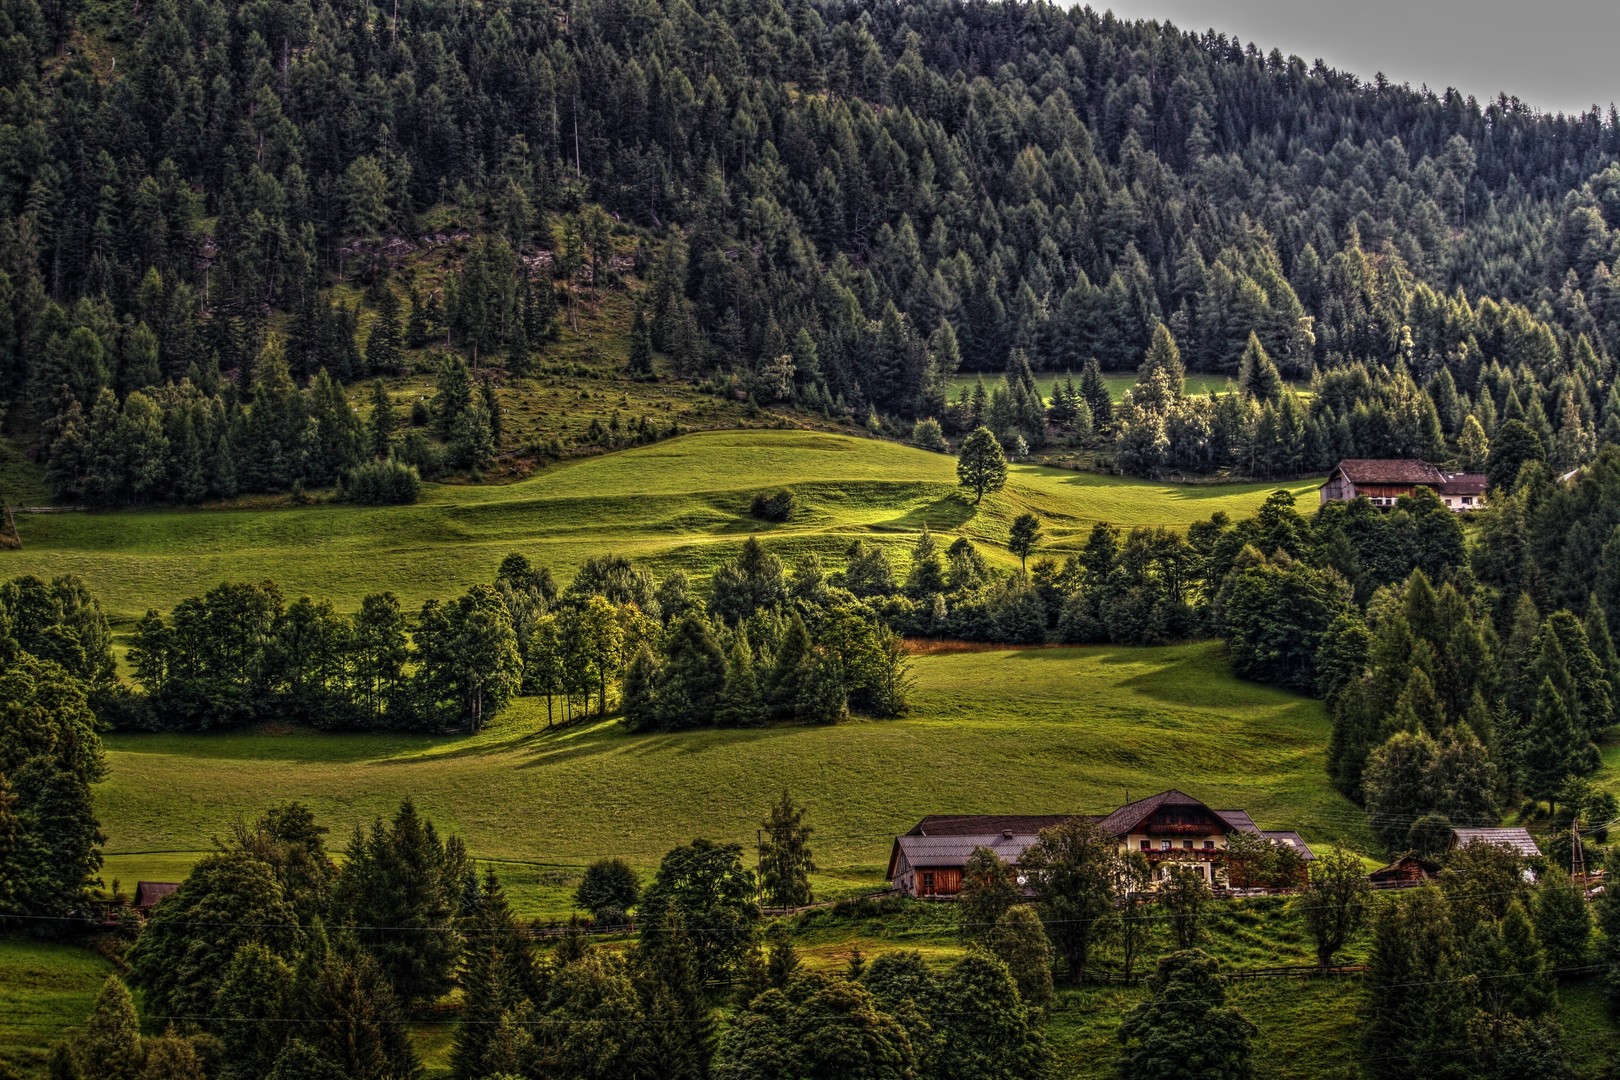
(824, 208)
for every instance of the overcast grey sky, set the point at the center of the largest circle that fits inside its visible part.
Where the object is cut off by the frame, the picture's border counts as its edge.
(1556, 55)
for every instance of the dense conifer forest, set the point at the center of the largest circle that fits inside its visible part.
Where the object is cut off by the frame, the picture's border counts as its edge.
(834, 207)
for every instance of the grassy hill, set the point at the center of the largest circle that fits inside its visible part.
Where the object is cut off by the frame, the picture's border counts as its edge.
(1039, 730)
(46, 990)
(682, 502)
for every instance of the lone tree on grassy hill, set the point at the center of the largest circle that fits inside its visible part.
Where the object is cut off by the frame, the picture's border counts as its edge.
(1026, 533)
(981, 466)
(784, 855)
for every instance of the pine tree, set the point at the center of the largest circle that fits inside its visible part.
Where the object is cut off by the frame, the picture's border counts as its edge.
(383, 422)
(401, 878)
(786, 862)
(1095, 390)
(385, 347)
(739, 704)
(497, 976)
(1258, 378)
(641, 346)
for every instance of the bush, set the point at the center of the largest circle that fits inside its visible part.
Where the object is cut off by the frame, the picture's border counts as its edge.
(772, 505)
(381, 483)
(927, 434)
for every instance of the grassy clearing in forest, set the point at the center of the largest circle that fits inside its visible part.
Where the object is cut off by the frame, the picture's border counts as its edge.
(679, 503)
(1013, 731)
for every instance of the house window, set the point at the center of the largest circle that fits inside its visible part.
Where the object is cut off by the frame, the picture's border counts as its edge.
(1164, 845)
(928, 882)
(1209, 845)
(1186, 845)
(1147, 845)
(1468, 500)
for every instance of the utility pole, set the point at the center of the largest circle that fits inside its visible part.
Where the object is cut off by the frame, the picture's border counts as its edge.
(1577, 855)
(759, 865)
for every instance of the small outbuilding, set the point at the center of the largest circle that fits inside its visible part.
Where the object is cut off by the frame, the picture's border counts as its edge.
(148, 893)
(1405, 871)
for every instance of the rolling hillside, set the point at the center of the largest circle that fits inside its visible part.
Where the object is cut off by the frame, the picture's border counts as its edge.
(673, 504)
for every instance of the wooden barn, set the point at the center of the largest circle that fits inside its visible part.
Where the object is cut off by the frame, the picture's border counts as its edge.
(1383, 480)
(1403, 872)
(1380, 480)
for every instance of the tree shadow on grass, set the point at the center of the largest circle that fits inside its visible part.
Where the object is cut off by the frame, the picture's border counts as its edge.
(945, 514)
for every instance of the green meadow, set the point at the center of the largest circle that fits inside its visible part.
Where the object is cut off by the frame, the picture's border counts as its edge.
(1015, 731)
(46, 990)
(679, 503)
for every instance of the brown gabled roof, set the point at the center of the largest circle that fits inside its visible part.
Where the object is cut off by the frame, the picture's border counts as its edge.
(1390, 471)
(1463, 483)
(989, 824)
(148, 893)
(1127, 817)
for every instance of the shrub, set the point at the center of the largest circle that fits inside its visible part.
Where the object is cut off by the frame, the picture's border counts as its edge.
(772, 505)
(927, 434)
(381, 483)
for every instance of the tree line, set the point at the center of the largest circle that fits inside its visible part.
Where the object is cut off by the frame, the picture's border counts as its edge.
(56, 671)
(615, 638)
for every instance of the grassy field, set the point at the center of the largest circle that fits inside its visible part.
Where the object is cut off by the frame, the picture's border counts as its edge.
(682, 502)
(46, 989)
(1042, 730)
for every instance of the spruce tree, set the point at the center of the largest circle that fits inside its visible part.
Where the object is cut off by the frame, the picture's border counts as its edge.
(385, 347)
(380, 432)
(111, 1046)
(786, 862)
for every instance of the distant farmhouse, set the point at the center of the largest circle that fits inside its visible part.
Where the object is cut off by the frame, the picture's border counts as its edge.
(1383, 480)
(1170, 828)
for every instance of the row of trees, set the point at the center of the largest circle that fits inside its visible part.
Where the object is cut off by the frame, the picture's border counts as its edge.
(613, 638)
(181, 442)
(240, 653)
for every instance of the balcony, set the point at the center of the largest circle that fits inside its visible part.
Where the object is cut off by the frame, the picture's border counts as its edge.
(1165, 828)
(1185, 855)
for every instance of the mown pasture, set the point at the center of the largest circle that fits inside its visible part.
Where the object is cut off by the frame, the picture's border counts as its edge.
(1034, 730)
(679, 503)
